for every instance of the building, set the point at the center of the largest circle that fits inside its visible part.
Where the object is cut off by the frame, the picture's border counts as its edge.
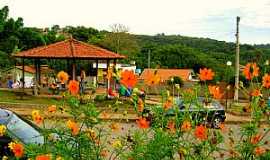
(15, 73)
(187, 75)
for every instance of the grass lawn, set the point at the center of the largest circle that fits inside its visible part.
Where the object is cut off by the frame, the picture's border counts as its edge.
(11, 97)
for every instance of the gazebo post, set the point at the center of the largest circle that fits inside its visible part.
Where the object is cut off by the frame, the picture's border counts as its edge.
(39, 71)
(23, 75)
(114, 82)
(73, 70)
(97, 73)
(108, 80)
(36, 70)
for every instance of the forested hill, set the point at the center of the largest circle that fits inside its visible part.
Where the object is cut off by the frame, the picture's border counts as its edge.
(166, 51)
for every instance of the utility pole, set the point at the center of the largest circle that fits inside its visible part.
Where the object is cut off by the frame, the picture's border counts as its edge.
(149, 63)
(237, 61)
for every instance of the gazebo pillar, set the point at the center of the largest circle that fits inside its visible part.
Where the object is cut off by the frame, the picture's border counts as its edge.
(97, 73)
(38, 72)
(114, 81)
(108, 80)
(23, 75)
(73, 70)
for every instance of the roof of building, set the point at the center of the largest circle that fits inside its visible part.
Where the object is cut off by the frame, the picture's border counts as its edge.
(166, 74)
(69, 49)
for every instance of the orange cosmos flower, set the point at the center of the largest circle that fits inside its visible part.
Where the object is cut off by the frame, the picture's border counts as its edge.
(215, 91)
(222, 127)
(251, 70)
(104, 153)
(255, 139)
(140, 105)
(256, 93)
(143, 123)
(105, 115)
(38, 119)
(266, 81)
(168, 104)
(186, 126)
(43, 157)
(128, 79)
(171, 126)
(52, 109)
(62, 76)
(201, 132)
(73, 126)
(259, 151)
(114, 126)
(206, 74)
(152, 79)
(110, 73)
(17, 149)
(73, 87)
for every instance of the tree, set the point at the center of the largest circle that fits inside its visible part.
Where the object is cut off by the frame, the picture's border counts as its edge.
(120, 41)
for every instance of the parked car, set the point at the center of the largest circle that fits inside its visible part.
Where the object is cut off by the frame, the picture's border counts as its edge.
(212, 114)
(19, 129)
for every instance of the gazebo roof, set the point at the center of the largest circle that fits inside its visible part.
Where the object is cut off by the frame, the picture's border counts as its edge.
(69, 49)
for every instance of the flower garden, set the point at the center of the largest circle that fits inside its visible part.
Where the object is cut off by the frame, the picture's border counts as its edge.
(155, 134)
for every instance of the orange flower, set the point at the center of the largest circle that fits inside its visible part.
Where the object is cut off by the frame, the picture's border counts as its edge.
(152, 79)
(215, 91)
(38, 119)
(140, 105)
(251, 70)
(259, 151)
(255, 139)
(43, 157)
(114, 126)
(256, 93)
(222, 127)
(110, 73)
(168, 104)
(17, 149)
(266, 81)
(52, 109)
(186, 126)
(105, 115)
(128, 79)
(206, 74)
(201, 132)
(103, 153)
(171, 126)
(142, 123)
(73, 126)
(73, 87)
(62, 76)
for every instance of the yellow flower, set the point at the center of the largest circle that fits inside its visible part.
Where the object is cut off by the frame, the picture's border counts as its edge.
(11, 145)
(117, 144)
(2, 130)
(59, 158)
(4, 158)
(35, 113)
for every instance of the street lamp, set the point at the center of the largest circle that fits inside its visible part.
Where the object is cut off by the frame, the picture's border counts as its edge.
(229, 63)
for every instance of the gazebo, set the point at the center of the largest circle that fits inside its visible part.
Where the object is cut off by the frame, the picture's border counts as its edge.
(70, 50)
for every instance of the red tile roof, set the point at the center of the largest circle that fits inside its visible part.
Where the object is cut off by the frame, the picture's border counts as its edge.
(68, 49)
(166, 74)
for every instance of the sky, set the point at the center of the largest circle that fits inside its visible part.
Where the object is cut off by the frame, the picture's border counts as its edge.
(214, 19)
